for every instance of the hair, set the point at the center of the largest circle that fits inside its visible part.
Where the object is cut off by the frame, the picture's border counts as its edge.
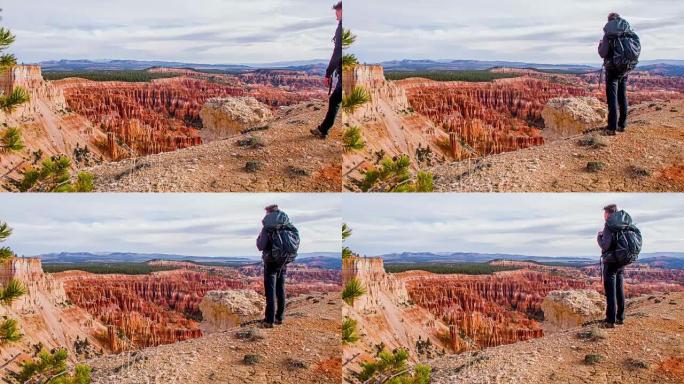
(271, 208)
(610, 208)
(337, 6)
(613, 15)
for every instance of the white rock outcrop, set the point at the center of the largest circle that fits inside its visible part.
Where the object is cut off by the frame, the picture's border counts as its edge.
(223, 310)
(572, 115)
(226, 116)
(569, 309)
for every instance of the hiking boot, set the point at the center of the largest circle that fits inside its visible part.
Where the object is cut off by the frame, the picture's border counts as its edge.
(606, 324)
(621, 129)
(278, 322)
(609, 132)
(317, 132)
(619, 322)
(265, 324)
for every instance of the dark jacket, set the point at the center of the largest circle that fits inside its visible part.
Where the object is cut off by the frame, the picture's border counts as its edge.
(335, 65)
(270, 221)
(612, 29)
(616, 222)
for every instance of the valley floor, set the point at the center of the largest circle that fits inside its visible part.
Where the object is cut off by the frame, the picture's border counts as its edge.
(288, 159)
(306, 349)
(649, 157)
(649, 348)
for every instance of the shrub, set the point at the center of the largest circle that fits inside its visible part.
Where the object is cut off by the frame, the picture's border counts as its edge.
(592, 359)
(352, 291)
(10, 102)
(595, 166)
(638, 171)
(294, 364)
(637, 364)
(252, 166)
(11, 141)
(249, 334)
(349, 335)
(394, 176)
(252, 359)
(356, 98)
(352, 139)
(251, 142)
(593, 141)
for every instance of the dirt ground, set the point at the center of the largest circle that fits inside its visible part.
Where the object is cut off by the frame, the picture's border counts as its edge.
(648, 348)
(284, 158)
(649, 157)
(305, 349)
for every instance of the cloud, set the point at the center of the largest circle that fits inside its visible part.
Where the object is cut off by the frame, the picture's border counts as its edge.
(518, 30)
(213, 31)
(190, 224)
(531, 224)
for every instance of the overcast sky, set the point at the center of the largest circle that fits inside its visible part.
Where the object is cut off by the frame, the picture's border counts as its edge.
(206, 31)
(527, 224)
(550, 31)
(185, 224)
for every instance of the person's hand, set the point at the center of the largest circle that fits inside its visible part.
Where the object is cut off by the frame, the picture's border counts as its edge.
(328, 81)
(600, 233)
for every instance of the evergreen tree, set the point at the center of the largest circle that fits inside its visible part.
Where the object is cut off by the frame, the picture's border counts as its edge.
(51, 368)
(349, 335)
(10, 140)
(352, 140)
(9, 331)
(356, 98)
(352, 291)
(54, 175)
(349, 60)
(392, 368)
(394, 175)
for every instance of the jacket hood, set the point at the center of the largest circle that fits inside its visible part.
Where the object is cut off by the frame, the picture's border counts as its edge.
(619, 220)
(617, 27)
(274, 219)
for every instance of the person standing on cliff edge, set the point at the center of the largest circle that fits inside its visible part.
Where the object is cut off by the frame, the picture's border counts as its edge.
(334, 70)
(620, 243)
(278, 241)
(619, 49)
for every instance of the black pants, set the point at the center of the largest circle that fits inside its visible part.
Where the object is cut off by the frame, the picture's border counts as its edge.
(613, 277)
(616, 93)
(274, 285)
(333, 107)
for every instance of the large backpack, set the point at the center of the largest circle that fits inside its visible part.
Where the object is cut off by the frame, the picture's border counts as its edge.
(627, 245)
(284, 244)
(625, 49)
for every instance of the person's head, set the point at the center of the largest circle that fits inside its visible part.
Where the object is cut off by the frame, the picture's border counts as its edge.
(609, 210)
(338, 10)
(271, 208)
(613, 15)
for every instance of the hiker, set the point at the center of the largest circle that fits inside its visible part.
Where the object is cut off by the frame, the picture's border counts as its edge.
(334, 70)
(278, 241)
(619, 49)
(620, 243)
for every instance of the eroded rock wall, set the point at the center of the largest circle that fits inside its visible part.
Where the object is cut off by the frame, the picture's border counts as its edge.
(485, 311)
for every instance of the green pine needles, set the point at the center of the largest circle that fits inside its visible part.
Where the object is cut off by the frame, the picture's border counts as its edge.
(10, 140)
(355, 99)
(54, 175)
(394, 175)
(352, 140)
(352, 291)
